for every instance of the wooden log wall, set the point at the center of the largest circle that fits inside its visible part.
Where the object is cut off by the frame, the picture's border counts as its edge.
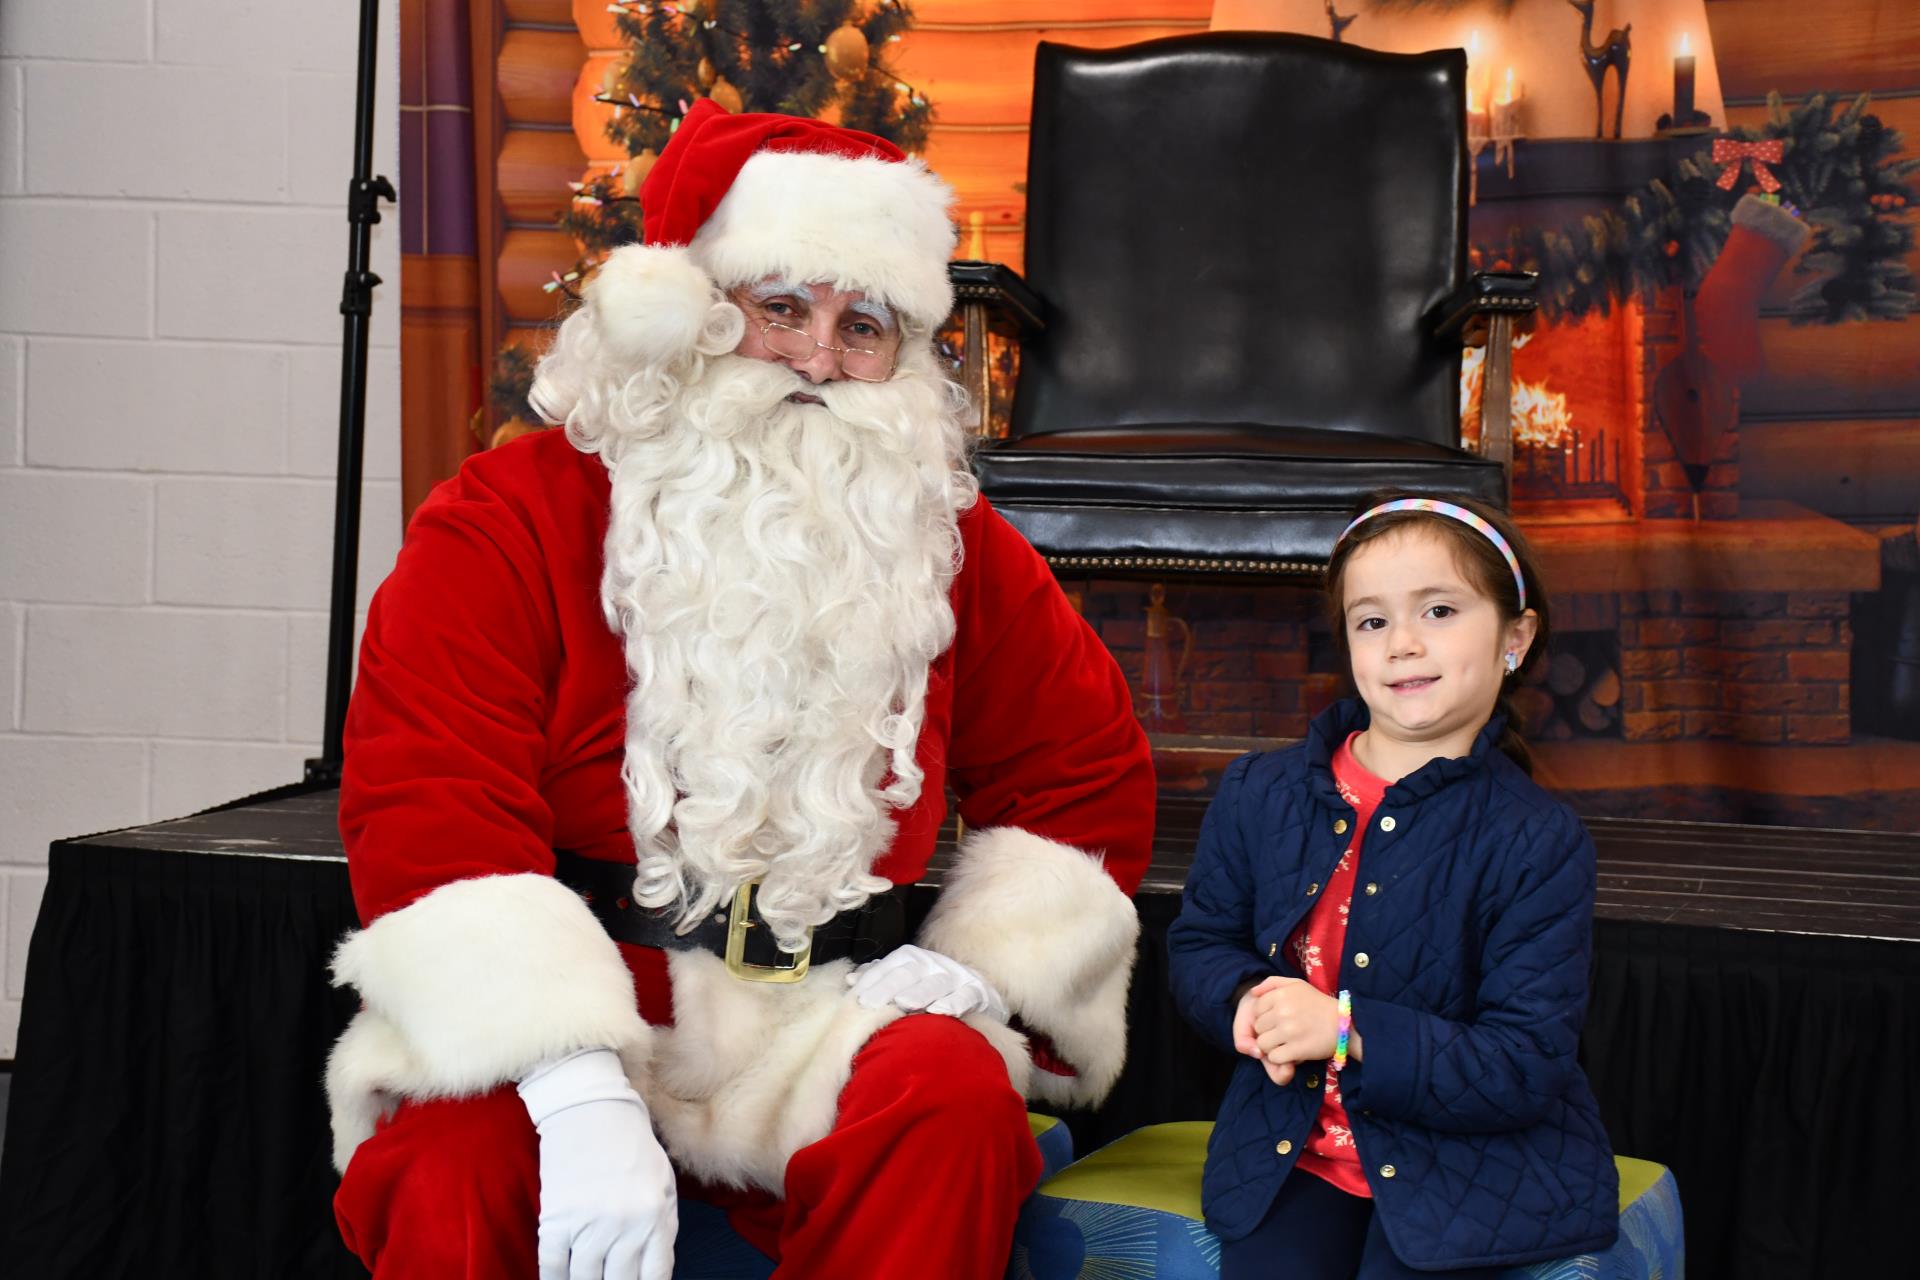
(535, 54)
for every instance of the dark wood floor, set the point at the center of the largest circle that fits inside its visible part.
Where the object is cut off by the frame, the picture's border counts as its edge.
(1779, 879)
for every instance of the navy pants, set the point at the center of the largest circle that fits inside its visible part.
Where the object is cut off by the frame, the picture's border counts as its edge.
(1315, 1231)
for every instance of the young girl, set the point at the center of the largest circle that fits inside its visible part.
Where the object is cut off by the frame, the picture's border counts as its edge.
(1391, 921)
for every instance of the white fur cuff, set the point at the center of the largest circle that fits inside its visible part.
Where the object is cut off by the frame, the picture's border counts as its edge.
(1048, 927)
(470, 987)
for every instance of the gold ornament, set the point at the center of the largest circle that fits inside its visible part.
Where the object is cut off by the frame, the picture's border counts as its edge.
(636, 171)
(847, 52)
(610, 82)
(706, 73)
(726, 95)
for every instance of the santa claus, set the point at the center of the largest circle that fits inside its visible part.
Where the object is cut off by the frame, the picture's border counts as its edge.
(655, 720)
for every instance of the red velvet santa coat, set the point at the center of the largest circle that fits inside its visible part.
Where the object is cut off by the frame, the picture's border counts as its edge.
(486, 730)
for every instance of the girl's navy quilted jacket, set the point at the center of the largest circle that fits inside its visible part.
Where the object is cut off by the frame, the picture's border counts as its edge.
(1466, 954)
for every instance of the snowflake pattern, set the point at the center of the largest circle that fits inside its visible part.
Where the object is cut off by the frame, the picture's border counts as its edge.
(1332, 1138)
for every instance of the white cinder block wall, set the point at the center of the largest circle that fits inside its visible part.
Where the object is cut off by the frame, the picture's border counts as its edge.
(173, 179)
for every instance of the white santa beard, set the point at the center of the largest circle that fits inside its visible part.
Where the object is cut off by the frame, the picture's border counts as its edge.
(780, 573)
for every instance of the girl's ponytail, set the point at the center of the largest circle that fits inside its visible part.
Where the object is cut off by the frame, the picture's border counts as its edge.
(1510, 740)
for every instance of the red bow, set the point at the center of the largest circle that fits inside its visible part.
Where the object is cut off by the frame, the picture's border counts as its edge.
(1733, 154)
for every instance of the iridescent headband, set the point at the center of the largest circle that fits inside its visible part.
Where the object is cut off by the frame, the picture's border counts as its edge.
(1459, 513)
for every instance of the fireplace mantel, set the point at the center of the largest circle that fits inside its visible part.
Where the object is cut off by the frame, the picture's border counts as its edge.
(1772, 546)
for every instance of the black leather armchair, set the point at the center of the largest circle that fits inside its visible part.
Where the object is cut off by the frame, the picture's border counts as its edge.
(1245, 303)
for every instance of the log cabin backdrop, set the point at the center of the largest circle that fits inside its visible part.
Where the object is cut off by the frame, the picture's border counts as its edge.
(1736, 584)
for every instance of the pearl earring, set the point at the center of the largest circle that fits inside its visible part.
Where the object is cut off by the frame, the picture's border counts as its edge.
(1513, 662)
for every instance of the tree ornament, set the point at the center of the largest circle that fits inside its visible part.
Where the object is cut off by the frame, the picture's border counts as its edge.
(636, 171)
(847, 52)
(726, 95)
(706, 73)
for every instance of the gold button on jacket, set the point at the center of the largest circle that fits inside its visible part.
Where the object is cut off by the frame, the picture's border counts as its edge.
(1339, 826)
(1284, 1147)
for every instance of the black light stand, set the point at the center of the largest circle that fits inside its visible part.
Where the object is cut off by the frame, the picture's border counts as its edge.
(356, 305)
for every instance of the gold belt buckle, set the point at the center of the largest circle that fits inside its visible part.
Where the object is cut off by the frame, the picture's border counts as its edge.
(739, 920)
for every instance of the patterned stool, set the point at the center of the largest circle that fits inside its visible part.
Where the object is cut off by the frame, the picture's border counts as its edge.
(1132, 1209)
(708, 1248)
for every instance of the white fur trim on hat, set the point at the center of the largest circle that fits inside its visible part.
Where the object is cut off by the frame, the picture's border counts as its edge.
(652, 303)
(1048, 927)
(878, 226)
(646, 306)
(470, 987)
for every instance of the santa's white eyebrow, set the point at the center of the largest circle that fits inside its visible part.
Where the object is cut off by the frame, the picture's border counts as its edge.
(877, 310)
(766, 289)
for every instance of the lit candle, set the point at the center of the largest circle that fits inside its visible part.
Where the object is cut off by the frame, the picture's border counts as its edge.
(1683, 86)
(1477, 119)
(1476, 100)
(1506, 122)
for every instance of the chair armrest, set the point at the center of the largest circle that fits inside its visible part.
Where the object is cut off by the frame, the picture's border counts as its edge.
(1013, 309)
(1485, 295)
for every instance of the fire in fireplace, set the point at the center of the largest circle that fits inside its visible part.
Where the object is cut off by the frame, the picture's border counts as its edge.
(1578, 412)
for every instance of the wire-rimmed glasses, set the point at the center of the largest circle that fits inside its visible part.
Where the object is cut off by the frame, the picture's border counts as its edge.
(858, 363)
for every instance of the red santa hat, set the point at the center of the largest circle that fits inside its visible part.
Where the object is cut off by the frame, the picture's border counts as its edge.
(736, 198)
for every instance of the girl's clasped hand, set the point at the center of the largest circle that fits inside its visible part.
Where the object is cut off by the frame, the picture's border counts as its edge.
(1284, 1022)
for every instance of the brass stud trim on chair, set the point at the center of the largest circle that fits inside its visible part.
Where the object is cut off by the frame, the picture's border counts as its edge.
(1187, 564)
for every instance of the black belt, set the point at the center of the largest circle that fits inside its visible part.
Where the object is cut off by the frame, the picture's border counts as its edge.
(737, 935)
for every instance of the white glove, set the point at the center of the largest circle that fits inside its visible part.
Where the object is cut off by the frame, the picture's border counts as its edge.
(607, 1204)
(917, 980)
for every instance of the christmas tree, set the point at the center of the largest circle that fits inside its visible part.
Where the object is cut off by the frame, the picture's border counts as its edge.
(821, 58)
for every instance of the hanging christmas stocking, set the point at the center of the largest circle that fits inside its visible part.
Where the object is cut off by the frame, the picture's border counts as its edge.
(1727, 308)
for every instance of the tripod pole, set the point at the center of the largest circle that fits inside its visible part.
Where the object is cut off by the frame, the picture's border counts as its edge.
(356, 306)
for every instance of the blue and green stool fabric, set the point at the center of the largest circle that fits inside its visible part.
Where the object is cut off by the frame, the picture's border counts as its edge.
(1132, 1209)
(707, 1247)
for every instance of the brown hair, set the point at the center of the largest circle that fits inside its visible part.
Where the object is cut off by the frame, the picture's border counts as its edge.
(1478, 558)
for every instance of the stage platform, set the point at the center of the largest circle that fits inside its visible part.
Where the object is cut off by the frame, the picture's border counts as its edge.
(1754, 1025)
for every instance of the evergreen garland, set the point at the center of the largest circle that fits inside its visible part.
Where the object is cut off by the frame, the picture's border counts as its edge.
(1840, 173)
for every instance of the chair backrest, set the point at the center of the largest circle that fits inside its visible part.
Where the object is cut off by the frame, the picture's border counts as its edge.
(1245, 228)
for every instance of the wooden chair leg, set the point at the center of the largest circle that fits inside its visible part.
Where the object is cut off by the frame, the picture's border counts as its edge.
(1496, 398)
(976, 367)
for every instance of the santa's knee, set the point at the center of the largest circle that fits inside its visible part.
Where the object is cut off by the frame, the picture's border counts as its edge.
(448, 1187)
(955, 1084)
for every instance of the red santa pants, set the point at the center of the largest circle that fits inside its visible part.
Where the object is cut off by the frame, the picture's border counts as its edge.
(922, 1174)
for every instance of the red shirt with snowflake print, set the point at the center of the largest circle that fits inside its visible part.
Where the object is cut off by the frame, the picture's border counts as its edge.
(1315, 947)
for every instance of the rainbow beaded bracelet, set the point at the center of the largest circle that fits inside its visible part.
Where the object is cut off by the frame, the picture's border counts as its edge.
(1346, 1028)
